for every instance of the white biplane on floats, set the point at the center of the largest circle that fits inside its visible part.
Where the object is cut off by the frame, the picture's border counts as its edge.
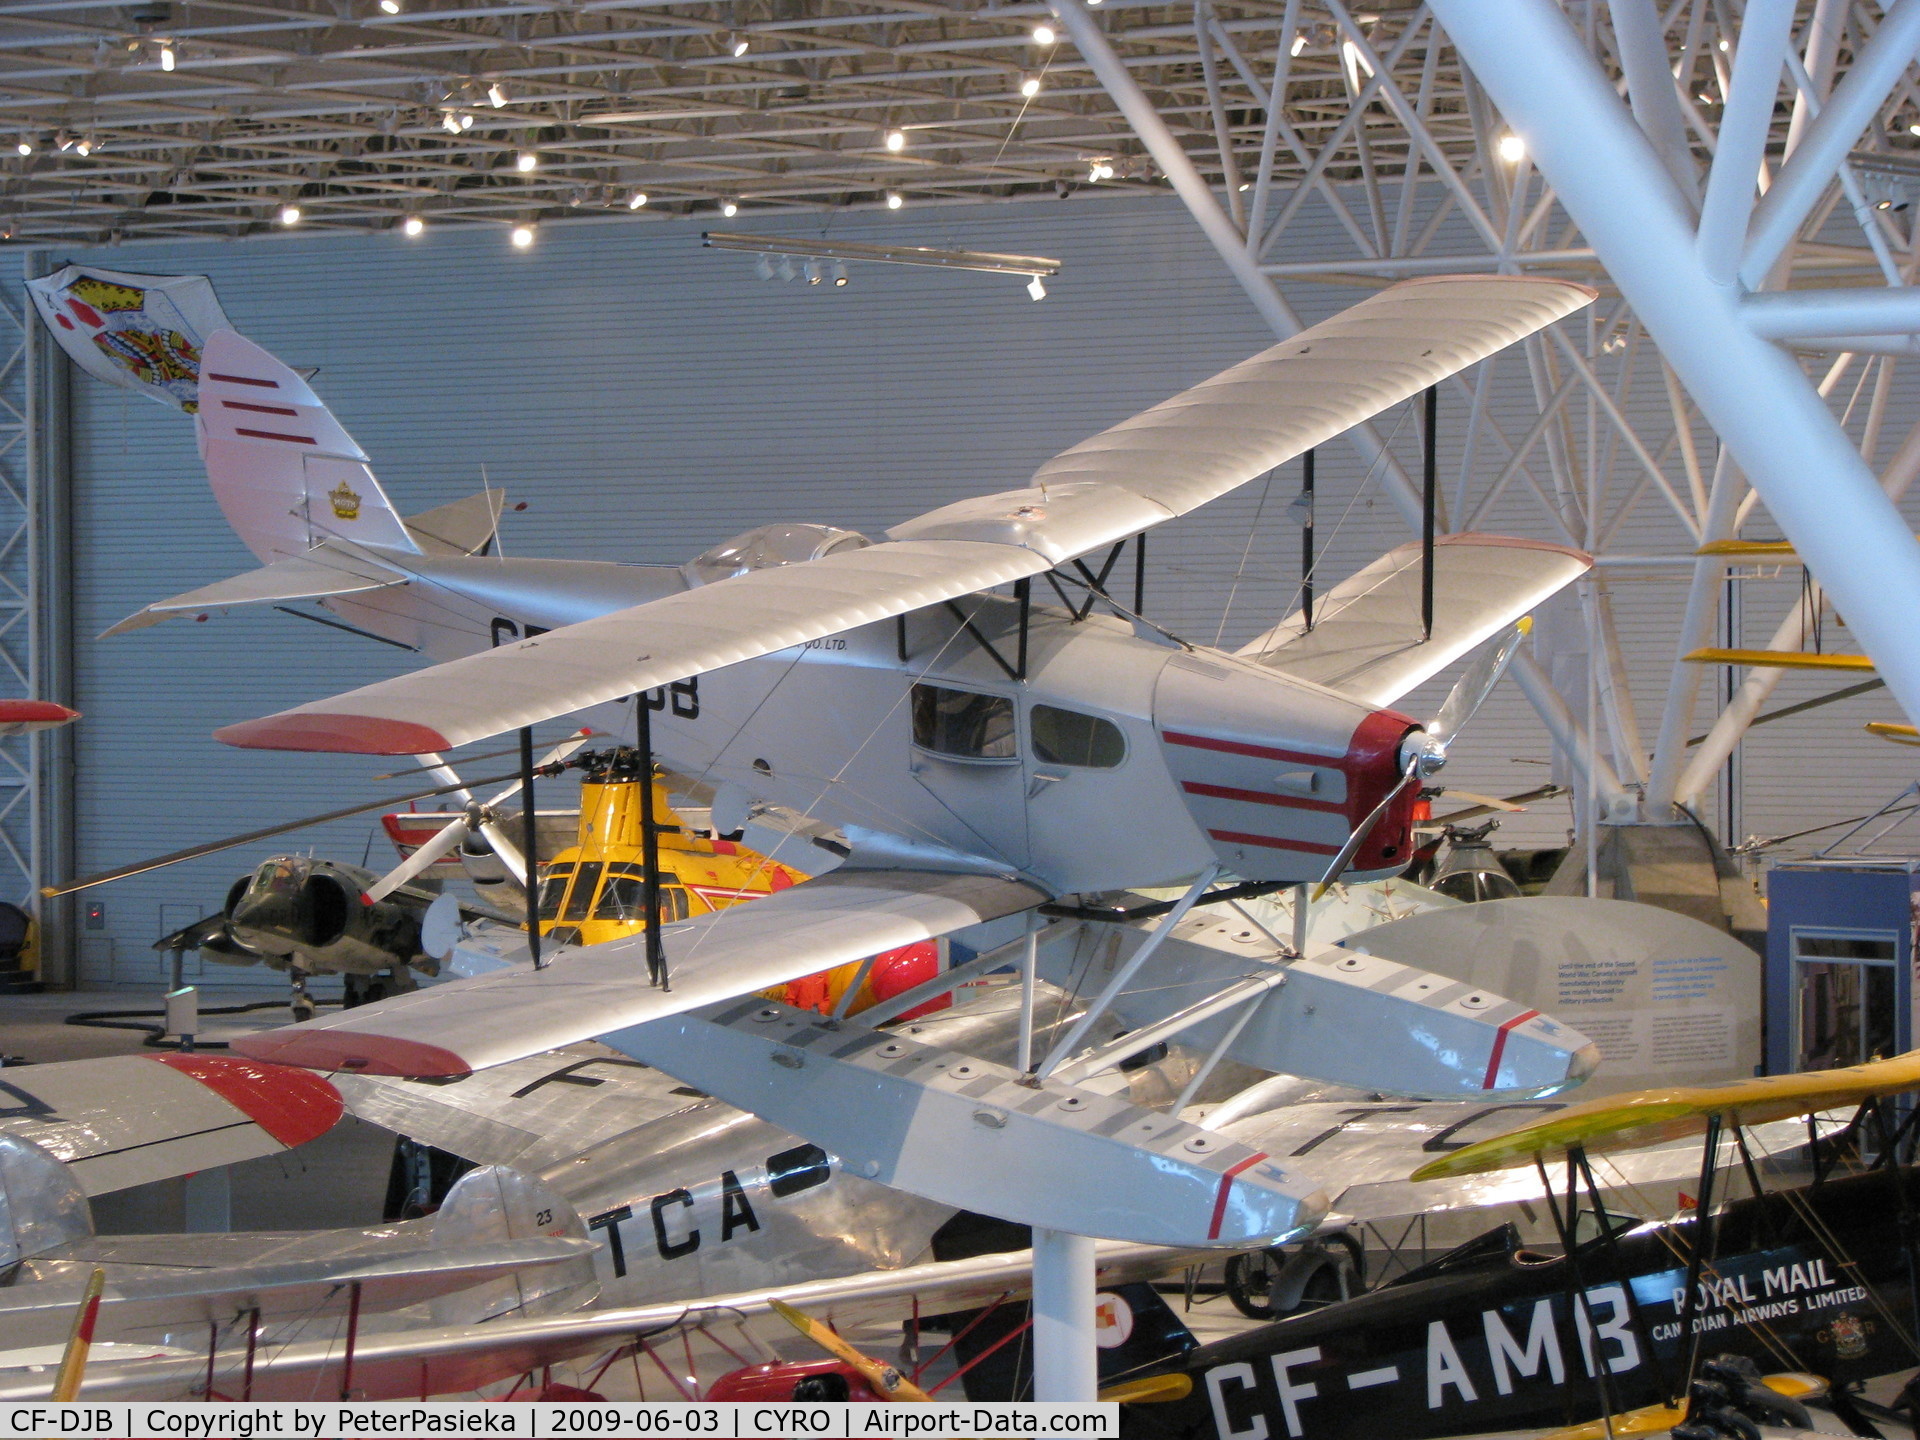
(985, 754)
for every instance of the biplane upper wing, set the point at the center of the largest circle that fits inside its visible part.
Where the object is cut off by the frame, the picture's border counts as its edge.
(128, 1119)
(1367, 1152)
(1677, 1113)
(467, 1025)
(1162, 463)
(1368, 638)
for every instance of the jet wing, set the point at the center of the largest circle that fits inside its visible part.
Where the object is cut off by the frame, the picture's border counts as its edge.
(467, 1025)
(129, 1119)
(1366, 640)
(1167, 461)
(530, 1113)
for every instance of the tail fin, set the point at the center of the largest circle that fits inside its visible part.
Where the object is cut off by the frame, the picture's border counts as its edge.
(498, 1203)
(41, 1203)
(286, 473)
(1134, 1328)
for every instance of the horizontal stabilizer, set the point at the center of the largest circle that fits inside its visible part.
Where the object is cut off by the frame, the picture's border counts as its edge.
(1366, 639)
(1164, 462)
(961, 1131)
(321, 572)
(467, 1025)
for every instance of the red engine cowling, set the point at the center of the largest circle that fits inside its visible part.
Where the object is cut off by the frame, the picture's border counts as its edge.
(1277, 774)
(778, 1382)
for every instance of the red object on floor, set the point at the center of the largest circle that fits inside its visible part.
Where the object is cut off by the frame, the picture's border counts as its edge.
(775, 1381)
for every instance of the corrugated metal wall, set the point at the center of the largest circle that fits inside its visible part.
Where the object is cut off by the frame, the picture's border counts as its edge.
(646, 398)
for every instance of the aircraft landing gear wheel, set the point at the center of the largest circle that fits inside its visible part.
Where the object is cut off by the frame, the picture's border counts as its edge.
(1249, 1282)
(301, 1003)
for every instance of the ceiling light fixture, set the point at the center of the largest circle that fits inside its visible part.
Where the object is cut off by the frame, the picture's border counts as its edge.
(729, 209)
(894, 200)
(763, 267)
(1101, 169)
(497, 95)
(740, 46)
(522, 236)
(526, 161)
(839, 274)
(25, 147)
(466, 122)
(1036, 288)
(896, 140)
(289, 214)
(1512, 149)
(812, 268)
(638, 199)
(85, 147)
(1043, 35)
(390, 7)
(413, 225)
(1299, 44)
(1030, 86)
(166, 55)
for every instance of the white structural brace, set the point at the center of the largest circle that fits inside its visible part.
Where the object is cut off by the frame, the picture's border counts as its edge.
(1611, 182)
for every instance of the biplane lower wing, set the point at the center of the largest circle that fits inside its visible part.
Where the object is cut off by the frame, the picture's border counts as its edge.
(130, 1119)
(443, 1360)
(467, 1025)
(1368, 638)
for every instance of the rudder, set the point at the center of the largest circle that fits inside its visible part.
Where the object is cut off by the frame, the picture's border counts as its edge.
(286, 473)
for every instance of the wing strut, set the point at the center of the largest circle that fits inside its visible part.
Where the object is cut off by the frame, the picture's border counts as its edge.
(649, 842)
(1429, 495)
(530, 847)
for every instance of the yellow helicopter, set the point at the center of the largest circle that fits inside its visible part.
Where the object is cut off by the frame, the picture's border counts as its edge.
(595, 889)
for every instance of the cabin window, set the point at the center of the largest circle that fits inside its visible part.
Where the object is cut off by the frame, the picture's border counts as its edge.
(962, 723)
(1066, 737)
(623, 897)
(552, 888)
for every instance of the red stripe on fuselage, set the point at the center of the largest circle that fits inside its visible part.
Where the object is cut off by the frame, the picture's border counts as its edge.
(1226, 1183)
(1256, 797)
(1500, 1047)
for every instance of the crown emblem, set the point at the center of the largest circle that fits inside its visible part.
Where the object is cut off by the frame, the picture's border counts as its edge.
(346, 502)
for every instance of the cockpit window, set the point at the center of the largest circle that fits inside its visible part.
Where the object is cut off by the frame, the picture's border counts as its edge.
(964, 724)
(1066, 737)
(580, 898)
(552, 888)
(623, 897)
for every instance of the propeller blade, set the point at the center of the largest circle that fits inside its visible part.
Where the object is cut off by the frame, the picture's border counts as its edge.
(886, 1381)
(194, 852)
(1364, 829)
(1486, 802)
(1472, 688)
(419, 862)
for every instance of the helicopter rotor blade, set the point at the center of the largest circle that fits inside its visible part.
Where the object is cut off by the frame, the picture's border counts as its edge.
(555, 756)
(194, 852)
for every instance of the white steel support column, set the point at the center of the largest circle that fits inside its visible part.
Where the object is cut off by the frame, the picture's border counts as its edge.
(1788, 443)
(1065, 1359)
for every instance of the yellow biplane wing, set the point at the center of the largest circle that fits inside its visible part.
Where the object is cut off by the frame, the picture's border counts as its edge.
(1651, 1117)
(1898, 734)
